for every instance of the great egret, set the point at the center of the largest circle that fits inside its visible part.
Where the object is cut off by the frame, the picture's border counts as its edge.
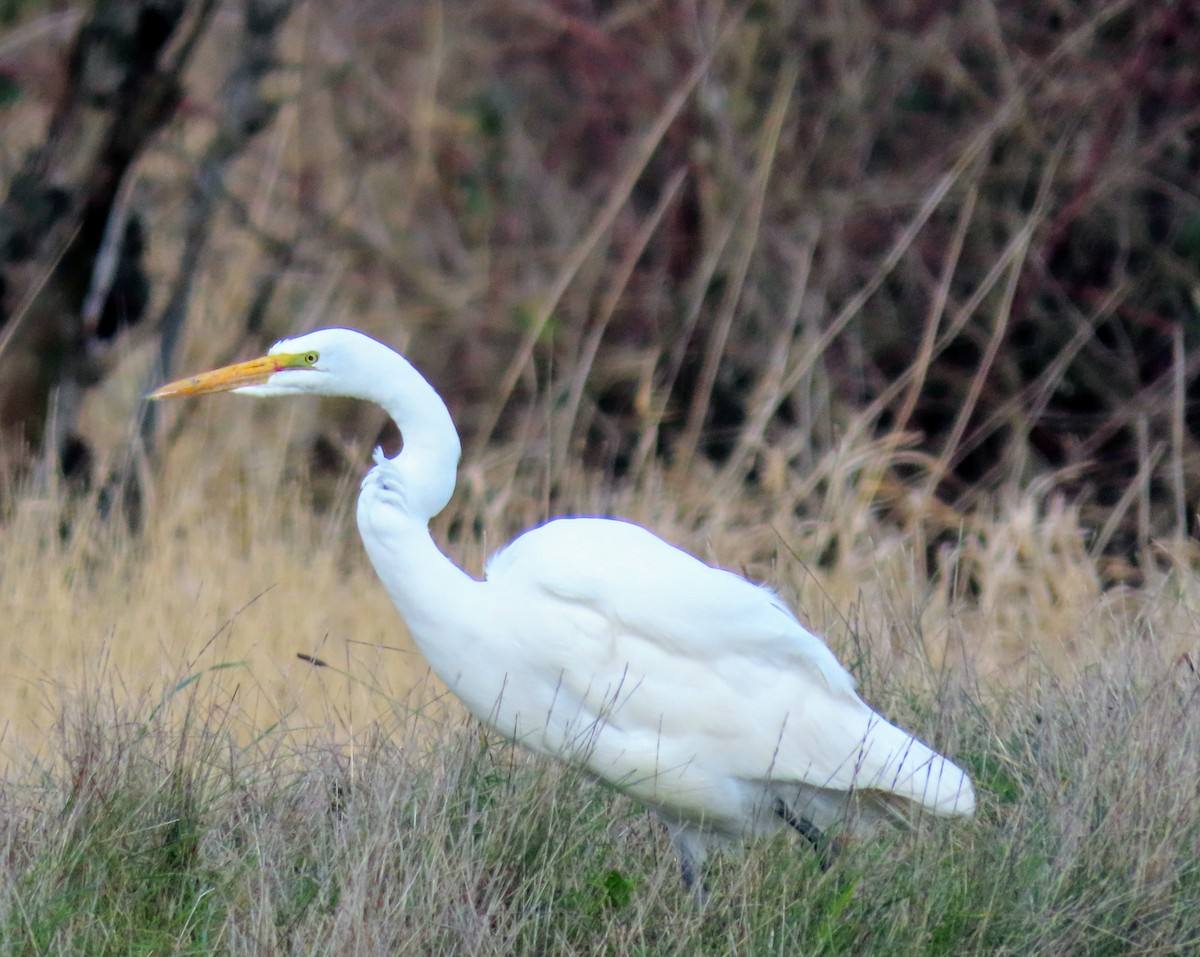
(595, 641)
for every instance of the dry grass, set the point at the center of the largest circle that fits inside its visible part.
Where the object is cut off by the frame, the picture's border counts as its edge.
(158, 802)
(234, 565)
(176, 779)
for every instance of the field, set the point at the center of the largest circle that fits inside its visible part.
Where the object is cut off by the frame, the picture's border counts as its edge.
(892, 310)
(179, 781)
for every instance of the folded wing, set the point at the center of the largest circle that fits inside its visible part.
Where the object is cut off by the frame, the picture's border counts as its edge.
(689, 666)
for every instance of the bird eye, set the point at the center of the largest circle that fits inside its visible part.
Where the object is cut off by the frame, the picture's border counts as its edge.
(310, 358)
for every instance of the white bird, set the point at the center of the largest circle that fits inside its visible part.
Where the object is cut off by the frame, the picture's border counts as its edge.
(595, 641)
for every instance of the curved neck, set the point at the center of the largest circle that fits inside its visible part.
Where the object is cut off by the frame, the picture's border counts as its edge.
(398, 497)
(427, 465)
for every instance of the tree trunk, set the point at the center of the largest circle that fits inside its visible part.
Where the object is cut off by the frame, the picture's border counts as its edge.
(71, 273)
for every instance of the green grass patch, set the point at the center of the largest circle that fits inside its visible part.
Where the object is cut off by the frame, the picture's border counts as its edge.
(153, 833)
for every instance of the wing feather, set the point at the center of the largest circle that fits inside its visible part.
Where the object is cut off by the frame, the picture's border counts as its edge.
(684, 662)
(661, 593)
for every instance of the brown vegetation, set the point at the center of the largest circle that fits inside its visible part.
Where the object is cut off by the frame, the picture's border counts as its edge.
(891, 310)
(890, 306)
(896, 304)
(691, 231)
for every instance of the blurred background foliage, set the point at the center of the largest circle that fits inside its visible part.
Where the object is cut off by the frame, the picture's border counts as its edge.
(712, 236)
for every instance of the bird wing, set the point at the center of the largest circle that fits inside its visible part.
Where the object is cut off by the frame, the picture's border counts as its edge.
(690, 664)
(662, 594)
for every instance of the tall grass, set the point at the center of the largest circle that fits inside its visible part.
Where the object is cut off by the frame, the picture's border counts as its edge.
(216, 736)
(178, 780)
(154, 831)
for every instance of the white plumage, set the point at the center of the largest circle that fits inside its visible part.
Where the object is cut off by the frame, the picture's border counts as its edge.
(597, 642)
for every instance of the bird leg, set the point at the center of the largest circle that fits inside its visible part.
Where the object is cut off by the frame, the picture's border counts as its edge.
(807, 830)
(689, 870)
(689, 845)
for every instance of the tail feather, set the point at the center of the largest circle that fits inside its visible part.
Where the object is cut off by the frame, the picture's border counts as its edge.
(893, 761)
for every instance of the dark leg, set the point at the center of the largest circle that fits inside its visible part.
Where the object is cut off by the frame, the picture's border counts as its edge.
(691, 851)
(807, 830)
(691, 876)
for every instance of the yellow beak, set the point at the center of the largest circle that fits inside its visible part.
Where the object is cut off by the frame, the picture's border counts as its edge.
(227, 378)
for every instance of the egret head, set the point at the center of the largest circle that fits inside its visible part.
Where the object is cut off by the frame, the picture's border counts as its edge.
(317, 363)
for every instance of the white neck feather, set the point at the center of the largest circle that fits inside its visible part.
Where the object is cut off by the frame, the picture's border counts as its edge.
(427, 465)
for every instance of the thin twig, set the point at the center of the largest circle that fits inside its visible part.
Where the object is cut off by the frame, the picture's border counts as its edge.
(617, 198)
(617, 285)
(748, 236)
